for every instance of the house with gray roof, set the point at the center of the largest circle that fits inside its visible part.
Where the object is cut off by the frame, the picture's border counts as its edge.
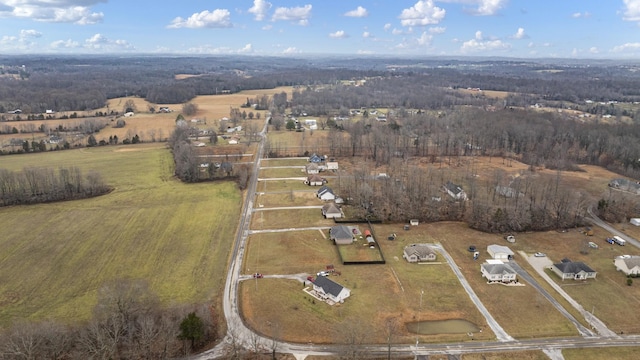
(341, 235)
(568, 269)
(325, 193)
(330, 291)
(626, 185)
(630, 265)
(418, 253)
(498, 272)
(331, 211)
(455, 191)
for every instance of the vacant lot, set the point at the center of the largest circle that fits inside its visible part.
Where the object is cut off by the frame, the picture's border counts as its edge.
(282, 173)
(283, 219)
(613, 353)
(284, 185)
(56, 256)
(290, 198)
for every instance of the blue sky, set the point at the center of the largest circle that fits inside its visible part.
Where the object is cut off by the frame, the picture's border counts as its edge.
(511, 28)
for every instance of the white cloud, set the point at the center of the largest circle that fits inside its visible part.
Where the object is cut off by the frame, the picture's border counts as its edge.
(479, 44)
(267, 27)
(246, 49)
(24, 34)
(396, 31)
(340, 34)
(359, 12)
(65, 44)
(626, 47)
(632, 10)
(519, 34)
(366, 34)
(437, 30)
(63, 11)
(425, 39)
(260, 9)
(218, 18)
(424, 12)
(594, 50)
(387, 26)
(580, 15)
(365, 52)
(298, 14)
(484, 7)
(101, 42)
(291, 50)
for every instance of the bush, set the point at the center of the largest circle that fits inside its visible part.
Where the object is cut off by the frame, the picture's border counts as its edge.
(629, 281)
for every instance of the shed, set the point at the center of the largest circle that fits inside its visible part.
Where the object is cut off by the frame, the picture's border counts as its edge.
(500, 252)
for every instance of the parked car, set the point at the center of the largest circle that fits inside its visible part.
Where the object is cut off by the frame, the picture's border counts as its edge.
(323, 273)
(539, 254)
(257, 276)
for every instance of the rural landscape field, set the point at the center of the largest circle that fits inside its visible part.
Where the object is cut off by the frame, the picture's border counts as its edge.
(281, 218)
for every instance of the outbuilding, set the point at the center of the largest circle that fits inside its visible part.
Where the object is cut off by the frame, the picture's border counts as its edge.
(500, 252)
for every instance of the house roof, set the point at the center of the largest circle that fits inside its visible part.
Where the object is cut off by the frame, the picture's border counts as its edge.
(632, 261)
(624, 183)
(328, 286)
(455, 189)
(494, 249)
(315, 158)
(494, 269)
(312, 166)
(420, 250)
(573, 267)
(314, 178)
(325, 189)
(340, 232)
(331, 208)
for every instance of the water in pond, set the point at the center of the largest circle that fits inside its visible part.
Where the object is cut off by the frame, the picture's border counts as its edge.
(435, 327)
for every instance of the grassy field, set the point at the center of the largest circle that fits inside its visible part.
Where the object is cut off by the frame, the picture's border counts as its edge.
(378, 292)
(613, 353)
(282, 219)
(282, 173)
(173, 235)
(284, 185)
(284, 162)
(291, 198)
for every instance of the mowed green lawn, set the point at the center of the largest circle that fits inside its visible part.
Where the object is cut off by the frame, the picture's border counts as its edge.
(176, 236)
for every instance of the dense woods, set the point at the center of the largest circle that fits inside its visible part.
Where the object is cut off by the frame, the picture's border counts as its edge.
(38, 185)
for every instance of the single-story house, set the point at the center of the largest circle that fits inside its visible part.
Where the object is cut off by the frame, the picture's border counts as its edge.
(312, 168)
(508, 192)
(325, 193)
(635, 221)
(316, 158)
(331, 211)
(568, 269)
(341, 235)
(498, 271)
(500, 252)
(332, 165)
(329, 290)
(418, 253)
(630, 265)
(626, 185)
(315, 180)
(455, 191)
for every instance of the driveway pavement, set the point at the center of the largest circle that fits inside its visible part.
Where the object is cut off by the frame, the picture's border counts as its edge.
(539, 264)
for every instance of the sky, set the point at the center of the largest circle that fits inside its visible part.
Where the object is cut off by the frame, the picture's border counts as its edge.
(599, 29)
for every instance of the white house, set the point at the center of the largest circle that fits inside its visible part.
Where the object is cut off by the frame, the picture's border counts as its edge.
(455, 191)
(330, 291)
(331, 211)
(568, 269)
(630, 265)
(498, 271)
(332, 165)
(418, 253)
(325, 193)
(312, 168)
(500, 252)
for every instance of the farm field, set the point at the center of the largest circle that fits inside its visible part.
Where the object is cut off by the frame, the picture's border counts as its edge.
(152, 227)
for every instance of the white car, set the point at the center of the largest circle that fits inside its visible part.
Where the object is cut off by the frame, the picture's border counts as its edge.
(323, 273)
(539, 254)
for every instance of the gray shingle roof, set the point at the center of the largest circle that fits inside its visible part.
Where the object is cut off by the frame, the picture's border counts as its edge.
(573, 267)
(328, 286)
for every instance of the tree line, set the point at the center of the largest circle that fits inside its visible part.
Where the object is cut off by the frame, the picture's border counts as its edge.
(128, 322)
(39, 185)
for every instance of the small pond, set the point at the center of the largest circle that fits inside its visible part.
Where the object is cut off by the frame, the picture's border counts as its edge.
(435, 327)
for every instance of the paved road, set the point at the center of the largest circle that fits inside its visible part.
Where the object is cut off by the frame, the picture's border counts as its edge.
(493, 324)
(599, 222)
(528, 278)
